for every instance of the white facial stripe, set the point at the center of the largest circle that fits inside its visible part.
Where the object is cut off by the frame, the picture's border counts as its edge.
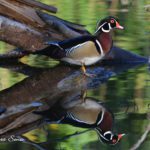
(109, 26)
(101, 118)
(109, 132)
(100, 26)
(111, 137)
(103, 25)
(101, 135)
(105, 30)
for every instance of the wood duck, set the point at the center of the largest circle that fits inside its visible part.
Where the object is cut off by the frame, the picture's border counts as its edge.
(84, 50)
(89, 114)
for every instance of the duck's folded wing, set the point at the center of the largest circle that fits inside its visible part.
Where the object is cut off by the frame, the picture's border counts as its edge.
(59, 50)
(53, 51)
(75, 42)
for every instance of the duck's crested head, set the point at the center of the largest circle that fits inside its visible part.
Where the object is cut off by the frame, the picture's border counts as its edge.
(108, 23)
(109, 138)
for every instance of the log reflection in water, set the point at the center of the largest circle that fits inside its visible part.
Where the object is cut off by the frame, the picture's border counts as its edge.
(18, 99)
(48, 86)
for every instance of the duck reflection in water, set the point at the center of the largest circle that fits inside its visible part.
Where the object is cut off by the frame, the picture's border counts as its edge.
(85, 114)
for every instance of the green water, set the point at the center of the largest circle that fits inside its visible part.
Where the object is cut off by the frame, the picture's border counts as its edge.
(126, 94)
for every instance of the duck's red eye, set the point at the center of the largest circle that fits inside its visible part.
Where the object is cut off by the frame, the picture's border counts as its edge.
(112, 21)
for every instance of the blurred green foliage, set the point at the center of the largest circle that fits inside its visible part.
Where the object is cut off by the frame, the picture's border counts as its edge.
(127, 94)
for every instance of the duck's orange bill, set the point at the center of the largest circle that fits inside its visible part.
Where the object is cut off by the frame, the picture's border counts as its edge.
(120, 136)
(118, 26)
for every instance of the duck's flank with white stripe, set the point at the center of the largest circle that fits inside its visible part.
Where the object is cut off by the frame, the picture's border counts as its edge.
(84, 50)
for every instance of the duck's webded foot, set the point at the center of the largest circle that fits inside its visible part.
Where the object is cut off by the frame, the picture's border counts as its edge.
(85, 73)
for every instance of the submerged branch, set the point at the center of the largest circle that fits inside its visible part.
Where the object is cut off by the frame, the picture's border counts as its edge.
(142, 139)
(40, 146)
(66, 137)
(13, 55)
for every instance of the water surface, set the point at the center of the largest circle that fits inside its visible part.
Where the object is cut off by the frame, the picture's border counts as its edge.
(125, 93)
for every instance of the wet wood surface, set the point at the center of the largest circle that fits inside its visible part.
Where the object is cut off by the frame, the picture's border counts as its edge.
(25, 26)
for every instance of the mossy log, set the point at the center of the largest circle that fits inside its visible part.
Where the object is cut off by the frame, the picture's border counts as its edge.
(24, 24)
